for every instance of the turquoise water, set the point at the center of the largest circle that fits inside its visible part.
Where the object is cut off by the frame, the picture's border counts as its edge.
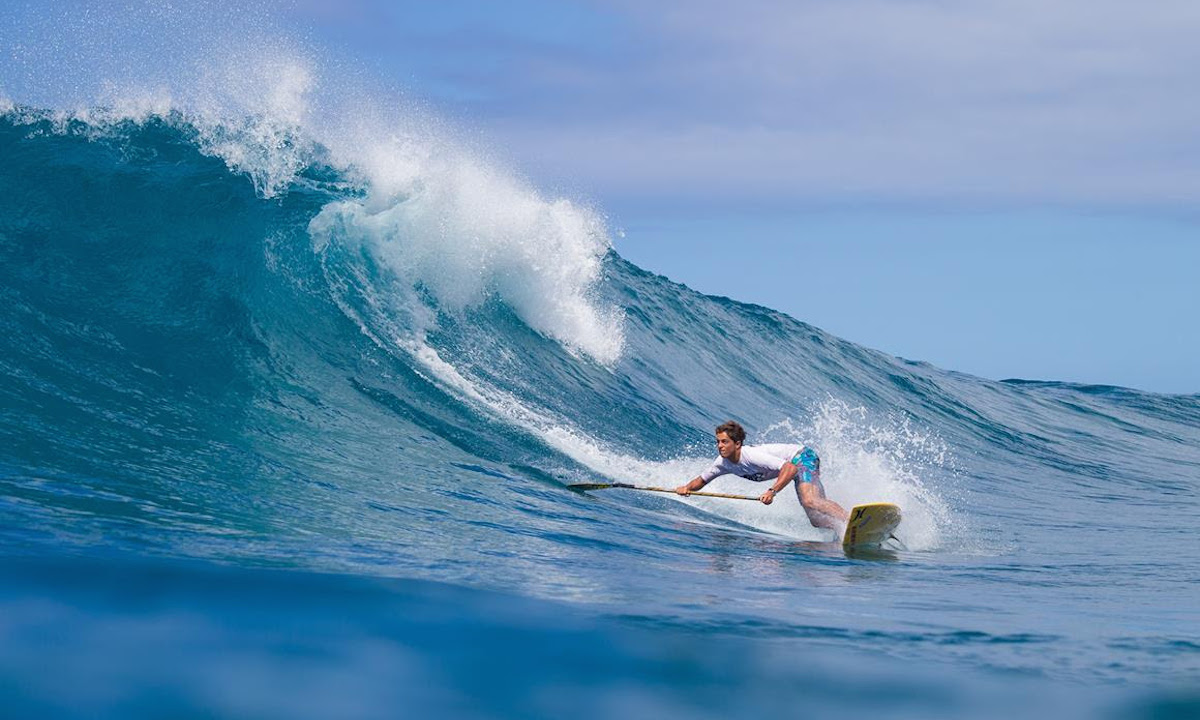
(282, 436)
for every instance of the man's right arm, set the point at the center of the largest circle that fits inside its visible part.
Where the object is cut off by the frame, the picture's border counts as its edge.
(695, 484)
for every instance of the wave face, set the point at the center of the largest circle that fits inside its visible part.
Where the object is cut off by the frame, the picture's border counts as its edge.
(245, 369)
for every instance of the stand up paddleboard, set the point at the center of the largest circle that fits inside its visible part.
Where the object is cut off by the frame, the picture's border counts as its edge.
(871, 524)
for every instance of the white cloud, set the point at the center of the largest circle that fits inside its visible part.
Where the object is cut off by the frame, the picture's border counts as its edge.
(978, 101)
(1074, 101)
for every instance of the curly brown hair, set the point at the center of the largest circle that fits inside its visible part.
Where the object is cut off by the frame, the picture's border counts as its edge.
(736, 432)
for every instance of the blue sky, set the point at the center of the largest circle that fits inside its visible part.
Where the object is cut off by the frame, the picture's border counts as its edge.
(1002, 188)
(1007, 188)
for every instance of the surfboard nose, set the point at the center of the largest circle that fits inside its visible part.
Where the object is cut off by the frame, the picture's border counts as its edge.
(871, 524)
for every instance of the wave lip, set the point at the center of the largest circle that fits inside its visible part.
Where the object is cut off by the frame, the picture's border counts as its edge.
(468, 233)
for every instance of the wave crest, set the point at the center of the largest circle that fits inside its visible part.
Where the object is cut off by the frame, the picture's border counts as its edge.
(465, 232)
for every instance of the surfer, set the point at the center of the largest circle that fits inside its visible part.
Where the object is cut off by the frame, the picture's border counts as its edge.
(780, 463)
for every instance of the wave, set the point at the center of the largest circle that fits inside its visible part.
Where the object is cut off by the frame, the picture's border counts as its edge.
(144, 243)
(255, 315)
(201, 270)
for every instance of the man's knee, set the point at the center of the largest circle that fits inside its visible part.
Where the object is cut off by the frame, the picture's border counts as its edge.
(810, 495)
(821, 519)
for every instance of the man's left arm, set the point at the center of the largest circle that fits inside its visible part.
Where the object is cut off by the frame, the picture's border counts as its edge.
(786, 473)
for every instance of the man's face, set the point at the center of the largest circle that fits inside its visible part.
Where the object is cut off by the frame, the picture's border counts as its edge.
(726, 447)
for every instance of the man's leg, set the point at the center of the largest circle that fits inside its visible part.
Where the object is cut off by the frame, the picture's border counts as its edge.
(822, 512)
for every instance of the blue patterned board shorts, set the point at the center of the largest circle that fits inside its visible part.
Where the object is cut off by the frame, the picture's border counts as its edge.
(808, 465)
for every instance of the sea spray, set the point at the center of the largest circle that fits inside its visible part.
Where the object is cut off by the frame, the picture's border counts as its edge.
(465, 233)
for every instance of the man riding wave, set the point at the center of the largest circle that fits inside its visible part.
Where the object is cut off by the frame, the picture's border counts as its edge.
(778, 462)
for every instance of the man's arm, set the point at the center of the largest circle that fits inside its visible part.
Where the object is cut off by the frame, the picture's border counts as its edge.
(786, 473)
(692, 486)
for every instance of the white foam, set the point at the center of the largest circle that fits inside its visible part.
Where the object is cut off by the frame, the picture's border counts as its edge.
(465, 230)
(251, 109)
(556, 432)
(136, 105)
(865, 459)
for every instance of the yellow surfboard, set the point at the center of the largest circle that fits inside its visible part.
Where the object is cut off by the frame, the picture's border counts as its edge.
(871, 524)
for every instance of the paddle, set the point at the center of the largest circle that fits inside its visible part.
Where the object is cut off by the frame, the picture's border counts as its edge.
(580, 487)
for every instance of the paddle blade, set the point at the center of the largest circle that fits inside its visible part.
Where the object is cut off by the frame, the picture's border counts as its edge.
(582, 487)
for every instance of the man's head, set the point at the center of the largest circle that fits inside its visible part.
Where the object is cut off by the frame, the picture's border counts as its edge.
(730, 437)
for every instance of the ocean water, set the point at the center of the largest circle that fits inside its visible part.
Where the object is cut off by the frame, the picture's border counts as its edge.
(287, 416)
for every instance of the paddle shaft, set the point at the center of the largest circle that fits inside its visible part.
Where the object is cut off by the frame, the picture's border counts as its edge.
(662, 490)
